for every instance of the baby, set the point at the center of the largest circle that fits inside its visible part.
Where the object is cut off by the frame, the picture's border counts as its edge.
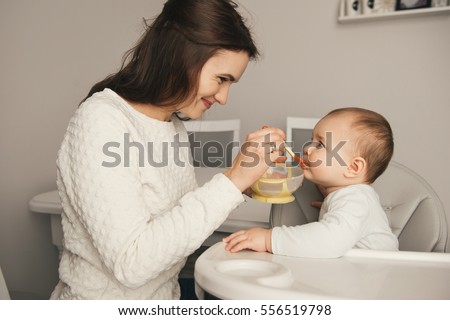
(350, 149)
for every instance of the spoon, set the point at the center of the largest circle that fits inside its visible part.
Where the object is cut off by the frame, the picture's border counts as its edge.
(289, 150)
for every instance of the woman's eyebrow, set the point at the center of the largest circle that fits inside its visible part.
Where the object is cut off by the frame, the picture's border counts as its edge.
(229, 76)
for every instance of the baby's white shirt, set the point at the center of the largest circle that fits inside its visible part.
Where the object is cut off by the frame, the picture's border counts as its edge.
(351, 217)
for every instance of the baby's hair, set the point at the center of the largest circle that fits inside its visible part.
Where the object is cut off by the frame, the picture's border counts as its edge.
(373, 139)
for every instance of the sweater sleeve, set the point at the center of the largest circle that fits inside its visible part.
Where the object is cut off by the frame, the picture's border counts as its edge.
(109, 202)
(336, 233)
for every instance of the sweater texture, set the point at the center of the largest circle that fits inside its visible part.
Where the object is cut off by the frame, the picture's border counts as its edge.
(132, 210)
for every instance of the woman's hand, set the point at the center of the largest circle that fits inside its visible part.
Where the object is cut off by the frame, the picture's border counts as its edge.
(257, 239)
(261, 149)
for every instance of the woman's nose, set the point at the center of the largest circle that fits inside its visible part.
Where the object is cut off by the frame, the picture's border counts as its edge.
(222, 95)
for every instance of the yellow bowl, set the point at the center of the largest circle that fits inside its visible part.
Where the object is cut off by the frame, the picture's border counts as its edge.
(278, 184)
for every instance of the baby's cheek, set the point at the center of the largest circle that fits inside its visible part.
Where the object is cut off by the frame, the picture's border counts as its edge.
(314, 160)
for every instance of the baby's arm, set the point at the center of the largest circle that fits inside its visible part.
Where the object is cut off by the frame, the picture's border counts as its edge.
(257, 239)
(341, 227)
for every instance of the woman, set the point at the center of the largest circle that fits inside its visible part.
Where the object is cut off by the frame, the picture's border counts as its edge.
(132, 209)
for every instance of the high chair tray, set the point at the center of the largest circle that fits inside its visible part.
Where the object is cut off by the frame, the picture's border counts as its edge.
(360, 274)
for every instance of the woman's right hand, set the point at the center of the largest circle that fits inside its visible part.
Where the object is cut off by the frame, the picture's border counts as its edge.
(261, 149)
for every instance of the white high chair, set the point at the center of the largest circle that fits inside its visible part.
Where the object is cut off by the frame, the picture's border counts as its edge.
(416, 216)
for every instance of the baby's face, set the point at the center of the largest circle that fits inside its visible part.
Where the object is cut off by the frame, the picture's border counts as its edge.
(330, 151)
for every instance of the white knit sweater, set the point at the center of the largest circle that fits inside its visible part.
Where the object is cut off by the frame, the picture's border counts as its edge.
(129, 223)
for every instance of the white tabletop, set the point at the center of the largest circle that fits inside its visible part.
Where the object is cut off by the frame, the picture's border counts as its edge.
(249, 214)
(360, 274)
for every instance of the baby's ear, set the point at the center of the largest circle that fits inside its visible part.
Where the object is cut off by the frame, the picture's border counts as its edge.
(356, 168)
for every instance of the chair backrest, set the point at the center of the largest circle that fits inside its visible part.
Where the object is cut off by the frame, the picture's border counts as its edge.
(414, 210)
(298, 132)
(4, 294)
(214, 143)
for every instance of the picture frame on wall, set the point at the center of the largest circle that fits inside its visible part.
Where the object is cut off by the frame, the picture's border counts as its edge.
(412, 4)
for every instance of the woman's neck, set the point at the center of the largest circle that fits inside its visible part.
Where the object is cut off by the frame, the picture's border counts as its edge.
(158, 113)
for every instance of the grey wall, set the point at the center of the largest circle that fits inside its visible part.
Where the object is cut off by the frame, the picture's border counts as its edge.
(52, 52)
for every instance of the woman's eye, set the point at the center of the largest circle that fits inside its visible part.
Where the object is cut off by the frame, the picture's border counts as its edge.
(320, 145)
(222, 79)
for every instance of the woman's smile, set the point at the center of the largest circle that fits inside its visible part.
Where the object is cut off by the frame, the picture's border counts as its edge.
(207, 103)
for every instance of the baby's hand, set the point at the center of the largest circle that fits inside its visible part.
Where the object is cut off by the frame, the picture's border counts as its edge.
(257, 239)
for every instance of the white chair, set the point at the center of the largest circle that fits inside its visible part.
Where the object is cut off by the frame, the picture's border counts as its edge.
(298, 132)
(233, 126)
(4, 294)
(217, 142)
(414, 210)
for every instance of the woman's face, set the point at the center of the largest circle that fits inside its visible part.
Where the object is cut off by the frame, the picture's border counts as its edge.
(216, 77)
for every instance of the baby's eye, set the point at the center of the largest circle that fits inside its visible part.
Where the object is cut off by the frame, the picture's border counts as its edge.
(313, 144)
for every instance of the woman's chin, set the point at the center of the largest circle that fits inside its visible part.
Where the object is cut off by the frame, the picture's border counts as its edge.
(194, 115)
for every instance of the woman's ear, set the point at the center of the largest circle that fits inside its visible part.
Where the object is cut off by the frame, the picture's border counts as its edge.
(356, 168)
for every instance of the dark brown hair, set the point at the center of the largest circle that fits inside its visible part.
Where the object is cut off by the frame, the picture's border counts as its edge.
(373, 139)
(164, 67)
